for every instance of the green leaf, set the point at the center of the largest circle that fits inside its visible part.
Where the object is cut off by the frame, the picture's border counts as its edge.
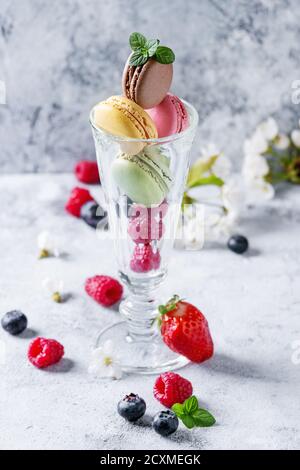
(187, 420)
(203, 418)
(178, 409)
(164, 55)
(151, 46)
(190, 405)
(136, 41)
(200, 167)
(137, 58)
(162, 309)
(206, 180)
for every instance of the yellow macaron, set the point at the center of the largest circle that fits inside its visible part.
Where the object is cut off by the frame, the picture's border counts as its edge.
(120, 116)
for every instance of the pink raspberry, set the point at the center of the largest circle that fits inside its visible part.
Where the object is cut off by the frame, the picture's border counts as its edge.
(43, 352)
(170, 388)
(104, 289)
(86, 171)
(78, 197)
(144, 229)
(158, 212)
(144, 259)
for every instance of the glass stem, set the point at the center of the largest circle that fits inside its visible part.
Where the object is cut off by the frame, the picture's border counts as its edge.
(140, 312)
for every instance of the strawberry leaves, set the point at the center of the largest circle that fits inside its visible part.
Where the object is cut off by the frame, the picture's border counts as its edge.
(143, 49)
(170, 305)
(191, 415)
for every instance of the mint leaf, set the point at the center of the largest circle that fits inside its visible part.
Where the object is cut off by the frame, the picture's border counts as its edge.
(137, 58)
(190, 405)
(164, 55)
(178, 409)
(203, 418)
(187, 420)
(136, 41)
(151, 46)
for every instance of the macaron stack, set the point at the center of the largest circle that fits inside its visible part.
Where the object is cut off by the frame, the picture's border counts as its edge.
(147, 110)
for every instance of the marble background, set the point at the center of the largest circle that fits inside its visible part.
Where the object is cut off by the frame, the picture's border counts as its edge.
(236, 61)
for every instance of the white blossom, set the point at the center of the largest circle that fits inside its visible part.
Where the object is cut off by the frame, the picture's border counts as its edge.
(254, 166)
(257, 144)
(54, 287)
(104, 363)
(221, 167)
(282, 142)
(47, 243)
(220, 226)
(233, 195)
(269, 128)
(259, 190)
(210, 150)
(295, 136)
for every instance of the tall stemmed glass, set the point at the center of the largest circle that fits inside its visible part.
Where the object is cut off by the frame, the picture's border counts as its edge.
(136, 338)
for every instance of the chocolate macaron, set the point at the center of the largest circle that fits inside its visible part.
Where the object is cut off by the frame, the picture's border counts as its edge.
(147, 84)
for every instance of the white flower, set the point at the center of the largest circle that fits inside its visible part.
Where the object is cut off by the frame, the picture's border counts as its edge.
(221, 167)
(257, 144)
(47, 244)
(54, 287)
(190, 230)
(282, 142)
(210, 150)
(233, 195)
(220, 226)
(104, 363)
(269, 128)
(295, 136)
(259, 190)
(254, 166)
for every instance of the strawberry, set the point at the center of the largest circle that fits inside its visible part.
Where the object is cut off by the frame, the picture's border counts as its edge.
(185, 330)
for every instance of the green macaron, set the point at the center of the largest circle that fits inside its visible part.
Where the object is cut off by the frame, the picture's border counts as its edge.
(145, 177)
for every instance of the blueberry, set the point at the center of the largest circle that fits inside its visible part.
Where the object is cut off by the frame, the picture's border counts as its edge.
(165, 423)
(93, 214)
(132, 407)
(238, 243)
(14, 322)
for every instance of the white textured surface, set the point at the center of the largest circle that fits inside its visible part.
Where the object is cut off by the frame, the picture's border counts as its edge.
(235, 61)
(252, 304)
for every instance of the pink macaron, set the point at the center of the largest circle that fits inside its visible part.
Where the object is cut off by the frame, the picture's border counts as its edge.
(170, 116)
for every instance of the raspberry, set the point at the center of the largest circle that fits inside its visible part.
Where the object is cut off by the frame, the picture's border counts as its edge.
(158, 212)
(170, 388)
(144, 259)
(78, 197)
(104, 289)
(86, 171)
(144, 229)
(44, 352)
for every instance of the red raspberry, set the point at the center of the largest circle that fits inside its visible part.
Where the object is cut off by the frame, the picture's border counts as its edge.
(144, 259)
(158, 212)
(44, 352)
(170, 388)
(144, 229)
(104, 289)
(86, 171)
(78, 197)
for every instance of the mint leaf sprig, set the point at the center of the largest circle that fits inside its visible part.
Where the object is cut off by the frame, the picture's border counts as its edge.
(143, 49)
(191, 415)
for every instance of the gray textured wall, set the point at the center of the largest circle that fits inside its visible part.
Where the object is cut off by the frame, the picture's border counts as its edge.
(236, 61)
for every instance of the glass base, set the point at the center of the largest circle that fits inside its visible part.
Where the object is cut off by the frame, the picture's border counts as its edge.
(140, 357)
